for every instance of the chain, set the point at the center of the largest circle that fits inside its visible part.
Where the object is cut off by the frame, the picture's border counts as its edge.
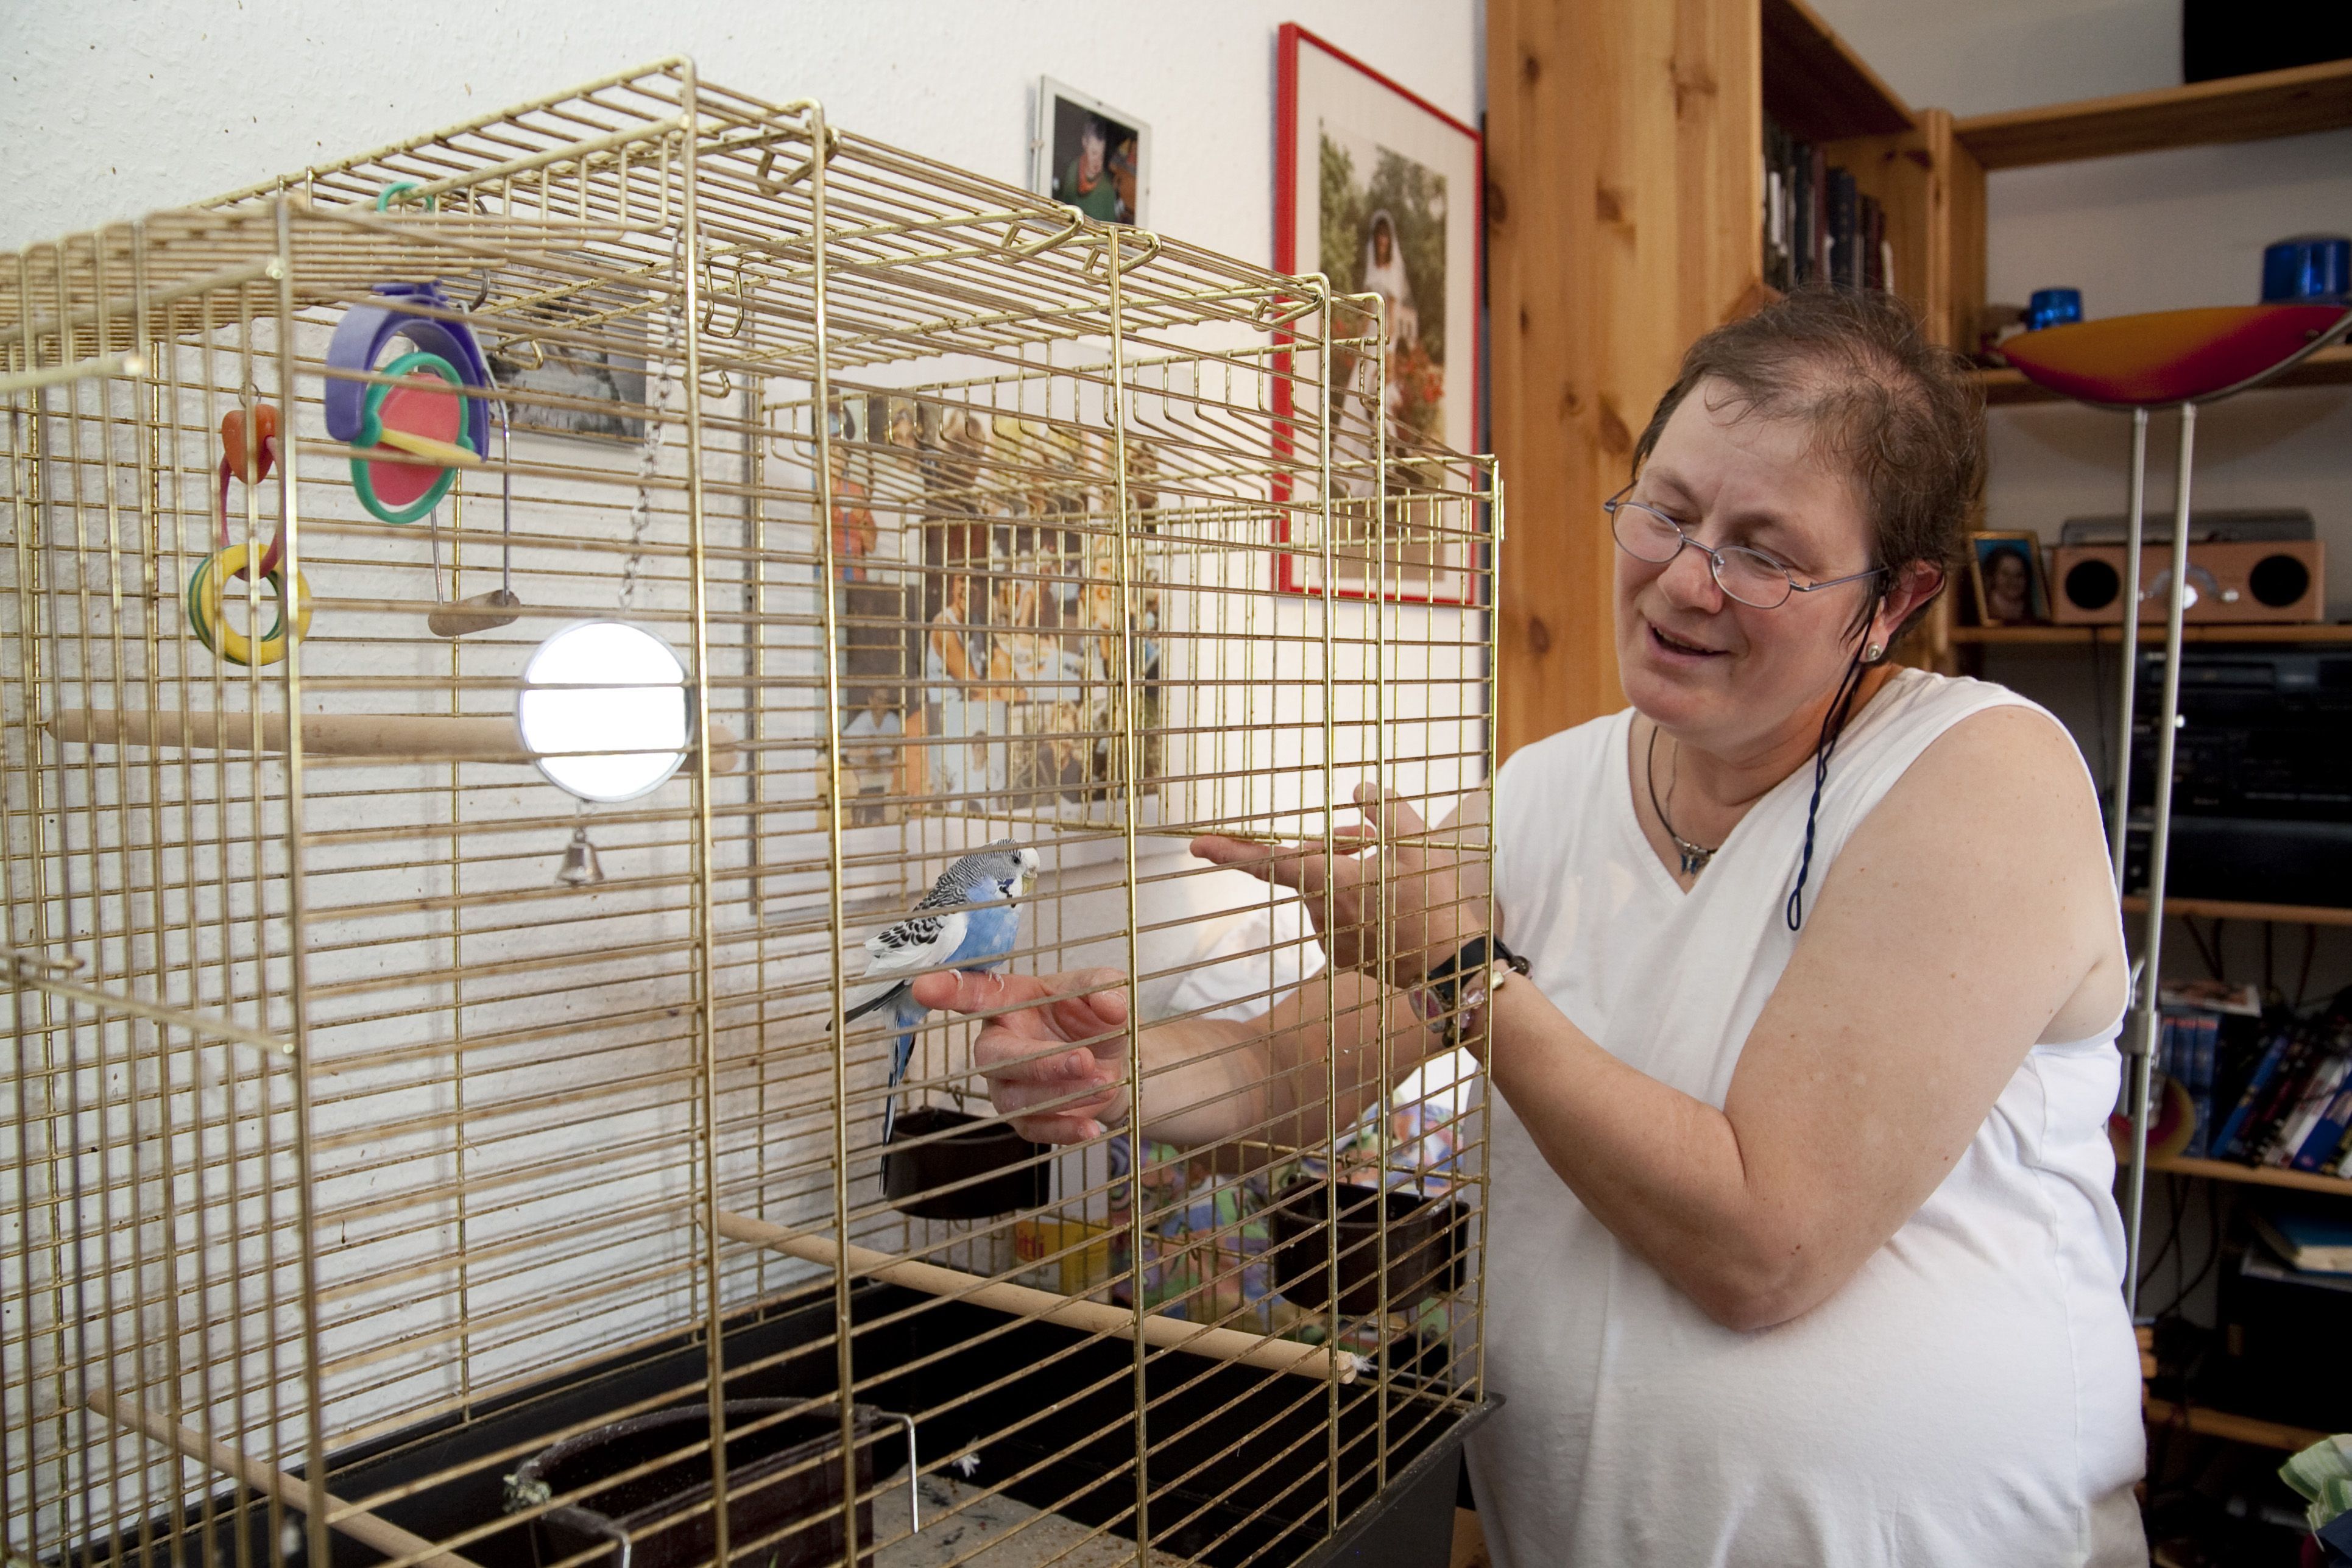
(640, 515)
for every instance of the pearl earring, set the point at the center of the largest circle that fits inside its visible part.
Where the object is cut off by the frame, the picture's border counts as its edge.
(1870, 655)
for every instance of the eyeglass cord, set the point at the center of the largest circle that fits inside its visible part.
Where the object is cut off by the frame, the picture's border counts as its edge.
(1833, 732)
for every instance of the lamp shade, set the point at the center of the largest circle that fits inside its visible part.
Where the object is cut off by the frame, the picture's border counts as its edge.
(605, 709)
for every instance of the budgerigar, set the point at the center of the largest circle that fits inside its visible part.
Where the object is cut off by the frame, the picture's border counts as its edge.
(968, 921)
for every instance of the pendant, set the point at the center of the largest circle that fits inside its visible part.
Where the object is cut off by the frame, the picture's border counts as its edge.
(1695, 859)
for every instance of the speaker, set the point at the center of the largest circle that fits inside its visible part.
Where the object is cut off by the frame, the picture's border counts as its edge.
(2277, 583)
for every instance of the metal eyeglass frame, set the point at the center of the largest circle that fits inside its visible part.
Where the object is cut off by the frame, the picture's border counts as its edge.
(1617, 502)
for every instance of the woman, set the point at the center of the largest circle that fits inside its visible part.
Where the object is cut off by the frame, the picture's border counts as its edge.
(1803, 1245)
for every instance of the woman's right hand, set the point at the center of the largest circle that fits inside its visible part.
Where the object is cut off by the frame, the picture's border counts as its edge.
(1050, 1092)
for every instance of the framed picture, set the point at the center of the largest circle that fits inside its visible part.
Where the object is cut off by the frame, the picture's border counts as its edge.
(1381, 192)
(2011, 588)
(1088, 155)
(563, 389)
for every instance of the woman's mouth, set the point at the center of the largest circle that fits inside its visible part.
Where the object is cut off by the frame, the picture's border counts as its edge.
(1676, 646)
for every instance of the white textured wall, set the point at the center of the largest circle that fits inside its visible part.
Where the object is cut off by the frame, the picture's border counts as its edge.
(113, 109)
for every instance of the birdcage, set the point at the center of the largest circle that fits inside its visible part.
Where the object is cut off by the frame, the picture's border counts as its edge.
(493, 627)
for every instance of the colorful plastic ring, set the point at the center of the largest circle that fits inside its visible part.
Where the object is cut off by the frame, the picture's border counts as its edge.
(384, 197)
(370, 435)
(206, 587)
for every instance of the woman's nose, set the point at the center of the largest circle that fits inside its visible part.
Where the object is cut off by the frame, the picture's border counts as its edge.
(1689, 581)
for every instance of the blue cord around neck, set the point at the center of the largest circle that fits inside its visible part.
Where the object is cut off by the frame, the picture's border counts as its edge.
(1832, 731)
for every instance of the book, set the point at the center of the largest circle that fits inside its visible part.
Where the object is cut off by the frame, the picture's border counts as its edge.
(2208, 1053)
(1844, 235)
(2285, 1086)
(2327, 1136)
(2326, 1077)
(2260, 1263)
(1817, 257)
(2309, 1237)
(2273, 1050)
(2213, 995)
(2198, 1034)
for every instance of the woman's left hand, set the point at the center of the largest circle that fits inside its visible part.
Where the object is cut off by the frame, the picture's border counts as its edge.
(1413, 889)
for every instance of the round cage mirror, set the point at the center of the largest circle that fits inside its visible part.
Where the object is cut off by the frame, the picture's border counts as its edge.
(607, 709)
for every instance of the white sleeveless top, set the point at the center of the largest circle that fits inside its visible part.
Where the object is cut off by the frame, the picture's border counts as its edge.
(1969, 1398)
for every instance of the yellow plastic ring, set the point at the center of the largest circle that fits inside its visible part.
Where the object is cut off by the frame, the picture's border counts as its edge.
(212, 578)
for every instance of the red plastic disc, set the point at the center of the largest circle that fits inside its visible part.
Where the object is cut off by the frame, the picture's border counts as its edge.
(422, 405)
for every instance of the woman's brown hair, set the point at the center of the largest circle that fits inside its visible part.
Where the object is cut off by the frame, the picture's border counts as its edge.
(1900, 414)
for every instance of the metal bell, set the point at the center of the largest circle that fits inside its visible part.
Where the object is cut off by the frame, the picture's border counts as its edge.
(580, 866)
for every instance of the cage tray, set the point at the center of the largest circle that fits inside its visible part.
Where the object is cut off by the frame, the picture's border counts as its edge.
(1237, 1467)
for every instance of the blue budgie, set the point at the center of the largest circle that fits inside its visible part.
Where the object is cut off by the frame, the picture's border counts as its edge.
(968, 920)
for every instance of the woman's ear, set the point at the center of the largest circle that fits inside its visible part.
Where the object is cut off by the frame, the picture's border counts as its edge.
(1914, 586)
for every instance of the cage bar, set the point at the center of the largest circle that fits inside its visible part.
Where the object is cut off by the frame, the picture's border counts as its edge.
(441, 1129)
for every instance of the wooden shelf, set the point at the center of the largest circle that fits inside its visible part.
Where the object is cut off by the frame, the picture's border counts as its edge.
(2249, 1429)
(2330, 366)
(2227, 910)
(2084, 637)
(1815, 87)
(2237, 109)
(2252, 1176)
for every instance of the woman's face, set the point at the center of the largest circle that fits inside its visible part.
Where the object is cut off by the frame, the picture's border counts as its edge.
(1382, 244)
(1723, 676)
(2006, 584)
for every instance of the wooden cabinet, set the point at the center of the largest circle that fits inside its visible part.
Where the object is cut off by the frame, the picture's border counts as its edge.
(1624, 161)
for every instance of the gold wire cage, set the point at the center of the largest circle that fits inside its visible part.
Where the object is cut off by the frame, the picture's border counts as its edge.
(405, 1159)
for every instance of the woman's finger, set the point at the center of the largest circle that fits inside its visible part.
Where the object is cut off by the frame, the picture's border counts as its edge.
(1291, 866)
(1394, 817)
(953, 991)
(1060, 1129)
(1004, 1056)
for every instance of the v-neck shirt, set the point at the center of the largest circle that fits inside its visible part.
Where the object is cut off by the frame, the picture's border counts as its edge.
(1972, 1395)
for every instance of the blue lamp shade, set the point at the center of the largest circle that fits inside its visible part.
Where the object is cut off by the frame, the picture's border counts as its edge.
(2052, 308)
(2308, 270)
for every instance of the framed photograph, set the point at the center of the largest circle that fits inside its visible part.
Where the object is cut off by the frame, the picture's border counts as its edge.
(1381, 192)
(1090, 156)
(2011, 588)
(562, 389)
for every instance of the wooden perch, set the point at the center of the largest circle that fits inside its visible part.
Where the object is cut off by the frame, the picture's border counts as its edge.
(293, 1491)
(421, 738)
(1022, 1300)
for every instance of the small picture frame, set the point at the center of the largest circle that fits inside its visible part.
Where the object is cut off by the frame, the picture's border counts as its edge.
(2011, 588)
(561, 388)
(1087, 154)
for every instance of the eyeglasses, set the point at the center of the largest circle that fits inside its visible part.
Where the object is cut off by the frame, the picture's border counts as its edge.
(1750, 576)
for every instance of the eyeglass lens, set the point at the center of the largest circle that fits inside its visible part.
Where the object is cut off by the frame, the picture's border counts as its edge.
(1753, 579)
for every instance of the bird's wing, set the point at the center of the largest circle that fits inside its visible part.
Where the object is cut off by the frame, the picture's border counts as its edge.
(919, 941)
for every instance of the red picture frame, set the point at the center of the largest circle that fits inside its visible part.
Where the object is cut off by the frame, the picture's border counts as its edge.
(1322, 59)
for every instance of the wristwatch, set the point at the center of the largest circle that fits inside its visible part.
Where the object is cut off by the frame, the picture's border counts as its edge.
(1452, 992)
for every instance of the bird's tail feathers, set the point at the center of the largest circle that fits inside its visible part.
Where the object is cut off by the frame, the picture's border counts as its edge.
(873, 1002)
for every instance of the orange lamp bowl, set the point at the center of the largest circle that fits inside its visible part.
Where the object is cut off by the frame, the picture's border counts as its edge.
(2169, 357)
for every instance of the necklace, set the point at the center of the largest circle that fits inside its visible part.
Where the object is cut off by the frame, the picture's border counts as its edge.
(1695, 857)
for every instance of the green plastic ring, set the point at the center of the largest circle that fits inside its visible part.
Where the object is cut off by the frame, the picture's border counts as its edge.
(371, 435)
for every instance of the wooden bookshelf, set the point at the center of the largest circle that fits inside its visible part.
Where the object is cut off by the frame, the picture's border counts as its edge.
(2252, 1176)
(2330, 366)
(2237, 1428)
(2231, 910)
(2292, 102)
(2234, 909)
(1816, 87)
(2084, 637)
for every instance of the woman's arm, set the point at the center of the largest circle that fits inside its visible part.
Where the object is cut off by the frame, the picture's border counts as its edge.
(1207, 1080)
(1969, 915)
(1054, 1053)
